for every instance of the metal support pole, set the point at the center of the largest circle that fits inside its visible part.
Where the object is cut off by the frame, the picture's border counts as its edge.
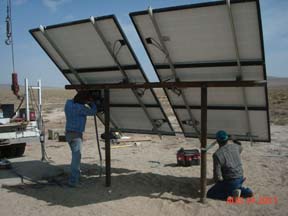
(40, 122)
(27, 117)
(107, 137)
(203, 143)
(40, 98)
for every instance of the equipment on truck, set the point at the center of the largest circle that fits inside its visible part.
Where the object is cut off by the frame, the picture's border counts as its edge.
(16, 126)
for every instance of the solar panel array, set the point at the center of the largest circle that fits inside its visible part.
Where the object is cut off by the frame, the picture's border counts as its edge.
(211, 41)
(95, 51)
(201, 42)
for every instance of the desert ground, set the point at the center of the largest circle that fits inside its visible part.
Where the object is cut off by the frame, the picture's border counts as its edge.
(145, 178)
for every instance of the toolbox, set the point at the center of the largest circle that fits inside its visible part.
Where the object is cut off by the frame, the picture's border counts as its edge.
(188, 157)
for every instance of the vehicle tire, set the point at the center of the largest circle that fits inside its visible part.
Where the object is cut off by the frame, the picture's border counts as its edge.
(20, 149)
(8, 151)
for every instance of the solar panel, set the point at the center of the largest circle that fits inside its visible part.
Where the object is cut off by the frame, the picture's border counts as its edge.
(214, 41)
(95, 51)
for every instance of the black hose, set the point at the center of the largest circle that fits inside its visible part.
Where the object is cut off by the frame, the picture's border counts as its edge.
(18, 108)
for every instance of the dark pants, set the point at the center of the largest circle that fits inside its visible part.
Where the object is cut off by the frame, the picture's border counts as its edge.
(223, 189)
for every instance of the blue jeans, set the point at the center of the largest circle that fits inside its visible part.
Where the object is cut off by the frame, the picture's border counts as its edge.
(75, 143)
(223, 189)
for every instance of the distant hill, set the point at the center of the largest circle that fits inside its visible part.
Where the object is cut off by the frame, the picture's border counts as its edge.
(5, 86)
(277, 81)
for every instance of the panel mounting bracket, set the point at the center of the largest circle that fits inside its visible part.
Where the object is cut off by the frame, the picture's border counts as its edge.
(176, 91)
(159, 122)
(190, 122)
(140, 92)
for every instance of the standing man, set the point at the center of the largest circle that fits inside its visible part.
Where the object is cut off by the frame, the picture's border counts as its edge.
(227, 170)
(76, 111)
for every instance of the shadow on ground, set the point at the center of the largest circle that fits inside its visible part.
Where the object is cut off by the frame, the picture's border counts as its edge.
(125, 183)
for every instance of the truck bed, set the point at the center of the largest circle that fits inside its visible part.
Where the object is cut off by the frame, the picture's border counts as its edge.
(12, 127)
(18, 130)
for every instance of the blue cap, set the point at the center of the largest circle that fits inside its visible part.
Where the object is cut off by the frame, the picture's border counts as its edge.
(221, 136)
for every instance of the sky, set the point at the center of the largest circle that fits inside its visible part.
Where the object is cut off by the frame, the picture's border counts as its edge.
(33, 63)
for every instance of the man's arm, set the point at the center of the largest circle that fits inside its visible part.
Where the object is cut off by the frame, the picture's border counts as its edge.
(217, 174)
(87, 110)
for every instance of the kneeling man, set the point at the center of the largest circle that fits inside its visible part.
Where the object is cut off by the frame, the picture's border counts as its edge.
(227, 170)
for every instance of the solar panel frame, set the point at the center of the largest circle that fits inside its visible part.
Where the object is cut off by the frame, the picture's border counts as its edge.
(257, 62)
(214, 115)
(137, 66)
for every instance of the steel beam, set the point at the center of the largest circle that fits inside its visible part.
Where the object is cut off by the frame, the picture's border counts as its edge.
(151, 85)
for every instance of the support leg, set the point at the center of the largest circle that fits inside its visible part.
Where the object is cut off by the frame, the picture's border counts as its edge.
(107, 137)
(203, 143)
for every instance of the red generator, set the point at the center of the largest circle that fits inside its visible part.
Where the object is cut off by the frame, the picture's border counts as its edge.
(188, 157)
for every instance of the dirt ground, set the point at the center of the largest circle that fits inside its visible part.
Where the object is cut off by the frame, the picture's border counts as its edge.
(145, 178)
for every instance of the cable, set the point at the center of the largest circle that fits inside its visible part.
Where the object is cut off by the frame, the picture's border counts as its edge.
(158, 46)
(9, 31)
(19, 106)
(114, 47)
(98, 144)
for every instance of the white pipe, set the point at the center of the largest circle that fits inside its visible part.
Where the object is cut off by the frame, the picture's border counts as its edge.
(40, 97)
(27, 100)
(92, 19)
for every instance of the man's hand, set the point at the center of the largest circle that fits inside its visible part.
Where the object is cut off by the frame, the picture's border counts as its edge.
(218, 179)
(88, 105)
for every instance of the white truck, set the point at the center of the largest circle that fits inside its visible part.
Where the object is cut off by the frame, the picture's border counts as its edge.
(16, 126)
